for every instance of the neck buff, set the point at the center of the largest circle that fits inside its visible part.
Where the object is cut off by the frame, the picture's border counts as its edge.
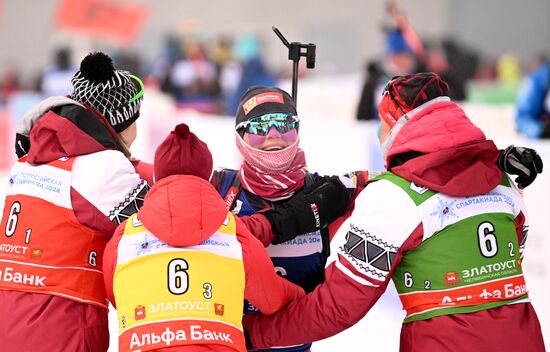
(273, 175)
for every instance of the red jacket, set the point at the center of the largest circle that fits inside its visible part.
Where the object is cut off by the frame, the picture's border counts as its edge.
(103, 183)
(185, 210)
(456, 160)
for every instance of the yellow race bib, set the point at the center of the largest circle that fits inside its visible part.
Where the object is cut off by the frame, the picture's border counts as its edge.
(169, 296)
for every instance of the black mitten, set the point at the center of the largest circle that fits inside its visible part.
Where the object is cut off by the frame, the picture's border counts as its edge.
(523, 162)
(310, 210)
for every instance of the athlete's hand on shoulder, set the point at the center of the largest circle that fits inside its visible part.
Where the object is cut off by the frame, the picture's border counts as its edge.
(310, 210)
(524, 162)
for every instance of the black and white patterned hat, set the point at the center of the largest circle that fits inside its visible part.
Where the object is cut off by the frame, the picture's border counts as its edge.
(116, 94)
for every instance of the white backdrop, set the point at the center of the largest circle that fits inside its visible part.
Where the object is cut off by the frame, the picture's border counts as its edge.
(334, 142)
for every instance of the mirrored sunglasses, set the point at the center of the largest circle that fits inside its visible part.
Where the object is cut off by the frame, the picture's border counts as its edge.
(262, 124)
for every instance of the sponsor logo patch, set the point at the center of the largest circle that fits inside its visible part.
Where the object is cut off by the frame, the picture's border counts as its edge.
(452, 278)
(219, 309)
(36, 253)
(270, 97)
(139, 312)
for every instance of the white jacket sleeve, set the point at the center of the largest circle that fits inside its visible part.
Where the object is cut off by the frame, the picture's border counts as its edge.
(383, 219)
(110, 183)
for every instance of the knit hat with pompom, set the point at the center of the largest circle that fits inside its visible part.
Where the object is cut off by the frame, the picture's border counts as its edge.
(183, 153)
(116, 94)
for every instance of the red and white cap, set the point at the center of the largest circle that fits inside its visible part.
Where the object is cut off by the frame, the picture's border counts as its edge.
(405, 93)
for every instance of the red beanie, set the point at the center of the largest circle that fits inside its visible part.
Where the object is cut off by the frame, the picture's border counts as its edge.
(183, 153)
(405, 93)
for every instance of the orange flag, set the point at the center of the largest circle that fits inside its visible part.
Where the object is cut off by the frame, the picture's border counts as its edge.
(117, 21)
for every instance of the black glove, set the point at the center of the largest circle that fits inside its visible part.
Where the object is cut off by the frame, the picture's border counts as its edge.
(22, 144)
(523, 162)
(310, 210)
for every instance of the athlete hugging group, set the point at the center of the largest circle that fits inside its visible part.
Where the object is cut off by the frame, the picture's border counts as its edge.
(179, 259)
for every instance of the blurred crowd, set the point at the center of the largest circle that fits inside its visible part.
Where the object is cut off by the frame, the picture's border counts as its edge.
(405, 53)
(210, 76)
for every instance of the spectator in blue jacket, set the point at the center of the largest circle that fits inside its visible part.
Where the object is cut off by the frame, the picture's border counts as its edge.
(533, 105)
